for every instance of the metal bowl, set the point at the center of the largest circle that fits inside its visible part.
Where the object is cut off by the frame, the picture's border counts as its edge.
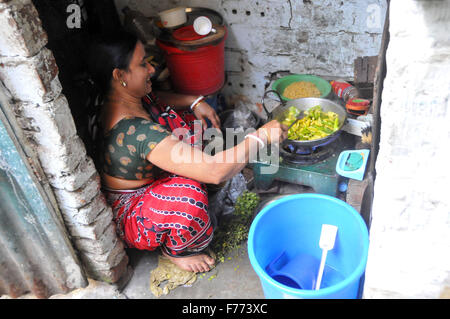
(304, 104)
(228, 120)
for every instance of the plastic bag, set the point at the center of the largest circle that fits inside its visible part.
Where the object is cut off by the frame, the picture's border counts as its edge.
(240, 117)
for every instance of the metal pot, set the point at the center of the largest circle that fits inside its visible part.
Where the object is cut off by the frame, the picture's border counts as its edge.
(304, 104)
(173, 17)
(227, 117)
(228, 114)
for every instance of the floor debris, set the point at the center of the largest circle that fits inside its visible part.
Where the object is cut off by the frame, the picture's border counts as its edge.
(170, 274)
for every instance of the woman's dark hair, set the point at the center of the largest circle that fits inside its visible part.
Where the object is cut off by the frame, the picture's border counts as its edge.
(109, 52)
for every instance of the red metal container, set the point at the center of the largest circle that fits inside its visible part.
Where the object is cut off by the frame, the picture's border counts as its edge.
(198, 71)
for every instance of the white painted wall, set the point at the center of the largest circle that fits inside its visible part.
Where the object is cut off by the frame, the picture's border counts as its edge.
(409, 255)
(314, 37)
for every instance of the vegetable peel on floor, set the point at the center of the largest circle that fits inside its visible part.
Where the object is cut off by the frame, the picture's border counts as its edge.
(232, 232)
(168, 271)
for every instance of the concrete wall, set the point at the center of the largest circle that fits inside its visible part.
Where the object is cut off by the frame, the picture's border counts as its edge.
(410, 234)
(266, 36)
(29, 74)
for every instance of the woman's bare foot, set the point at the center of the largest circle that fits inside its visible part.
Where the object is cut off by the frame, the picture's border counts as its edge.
(196, 263)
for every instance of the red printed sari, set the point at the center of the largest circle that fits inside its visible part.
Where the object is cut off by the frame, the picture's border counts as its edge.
(172, 211)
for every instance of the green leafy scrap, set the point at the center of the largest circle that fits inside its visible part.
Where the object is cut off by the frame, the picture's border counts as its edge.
(233, 231)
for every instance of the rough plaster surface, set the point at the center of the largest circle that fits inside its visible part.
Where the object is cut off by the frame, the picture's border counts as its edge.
(314, 37)
(27, 36)
(409, 237)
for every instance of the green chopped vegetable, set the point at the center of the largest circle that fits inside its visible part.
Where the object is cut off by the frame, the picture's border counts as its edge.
(315, 125)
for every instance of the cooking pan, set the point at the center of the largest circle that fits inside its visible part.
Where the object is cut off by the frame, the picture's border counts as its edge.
(303, 104)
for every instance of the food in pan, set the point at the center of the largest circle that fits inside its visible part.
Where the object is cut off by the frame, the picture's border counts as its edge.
(315, 125)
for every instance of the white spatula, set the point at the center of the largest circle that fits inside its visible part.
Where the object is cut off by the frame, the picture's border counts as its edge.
(326, 242)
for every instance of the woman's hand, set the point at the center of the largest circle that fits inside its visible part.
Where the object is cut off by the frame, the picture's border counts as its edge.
(204, 111)
(273, 132)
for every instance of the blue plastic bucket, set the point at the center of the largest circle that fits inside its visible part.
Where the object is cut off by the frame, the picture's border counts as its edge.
(290, 227)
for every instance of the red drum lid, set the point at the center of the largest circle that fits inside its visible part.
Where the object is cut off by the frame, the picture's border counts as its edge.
(186, 33)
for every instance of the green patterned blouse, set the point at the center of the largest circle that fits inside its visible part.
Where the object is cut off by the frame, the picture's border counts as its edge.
(126, 146)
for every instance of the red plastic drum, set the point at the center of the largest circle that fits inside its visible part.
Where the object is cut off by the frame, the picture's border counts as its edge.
(198, 71)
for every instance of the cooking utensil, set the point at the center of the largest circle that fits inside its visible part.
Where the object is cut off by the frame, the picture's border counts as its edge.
(304, 104)
(326, 242)
(298, 118)
(203, 25)
(173, 17)
(195, 12)
(213, 39)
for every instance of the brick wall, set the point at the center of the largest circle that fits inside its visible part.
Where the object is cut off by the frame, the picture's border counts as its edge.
(314, 37)
(29, 72)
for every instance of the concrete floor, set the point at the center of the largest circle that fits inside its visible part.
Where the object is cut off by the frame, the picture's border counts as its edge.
(234, 278)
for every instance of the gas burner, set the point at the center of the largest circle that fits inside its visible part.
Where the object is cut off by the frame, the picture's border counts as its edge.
(307, 155)
(315, 170)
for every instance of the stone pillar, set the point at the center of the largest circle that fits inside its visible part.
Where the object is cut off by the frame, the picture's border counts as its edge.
(29, 73)
(409, 235)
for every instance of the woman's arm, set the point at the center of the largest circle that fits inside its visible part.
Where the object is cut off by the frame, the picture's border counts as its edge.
(180, 158)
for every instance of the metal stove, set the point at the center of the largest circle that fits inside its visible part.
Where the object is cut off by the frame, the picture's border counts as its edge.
(315, 168)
